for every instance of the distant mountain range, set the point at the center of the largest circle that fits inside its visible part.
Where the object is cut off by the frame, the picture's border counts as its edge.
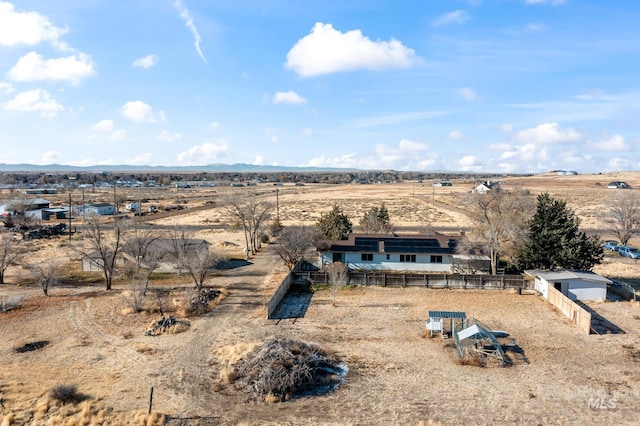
(240, 168)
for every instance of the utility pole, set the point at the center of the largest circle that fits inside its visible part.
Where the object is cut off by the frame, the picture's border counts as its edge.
(83, 207)
(277, 207)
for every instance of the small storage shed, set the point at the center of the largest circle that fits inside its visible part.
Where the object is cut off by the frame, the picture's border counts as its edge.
(576, 285)
(435, 322)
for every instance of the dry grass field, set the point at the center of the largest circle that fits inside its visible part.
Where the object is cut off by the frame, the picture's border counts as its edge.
(396, 375)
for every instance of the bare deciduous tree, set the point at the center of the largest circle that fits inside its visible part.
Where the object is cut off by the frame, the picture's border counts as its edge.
(11, 253)
(252, 214)
(189, 258)
(103, 243)
(337, 274)
(500, 222)
(145, 261)
(46, 275)
(293, 242)
(623, 216)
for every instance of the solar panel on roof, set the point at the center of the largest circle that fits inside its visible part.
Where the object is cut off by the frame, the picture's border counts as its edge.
(447, 314)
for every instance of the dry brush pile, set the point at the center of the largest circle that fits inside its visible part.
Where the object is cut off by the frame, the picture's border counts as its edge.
(284, 368)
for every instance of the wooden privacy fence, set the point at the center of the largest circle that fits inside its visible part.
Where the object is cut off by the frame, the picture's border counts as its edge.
(282, 290)
(422, 280)
(578, 315)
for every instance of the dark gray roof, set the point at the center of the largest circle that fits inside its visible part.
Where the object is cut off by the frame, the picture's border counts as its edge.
(447, 314)
(434, 243)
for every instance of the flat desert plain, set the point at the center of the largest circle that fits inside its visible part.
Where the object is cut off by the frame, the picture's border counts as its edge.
(397, 374)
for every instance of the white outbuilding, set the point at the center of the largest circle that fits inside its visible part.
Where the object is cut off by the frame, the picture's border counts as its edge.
(576, 285)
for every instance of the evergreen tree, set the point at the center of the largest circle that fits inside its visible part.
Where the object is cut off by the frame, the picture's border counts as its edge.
(555, 241)
(334, 225)
(376, 221)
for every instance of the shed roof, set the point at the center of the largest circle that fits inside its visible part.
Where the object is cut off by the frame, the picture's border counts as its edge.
(570, 275)
(447, 314)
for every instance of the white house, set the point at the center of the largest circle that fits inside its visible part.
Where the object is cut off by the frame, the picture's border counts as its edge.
(100, 209)
(485, 187)
(433, 252)
(576, 285)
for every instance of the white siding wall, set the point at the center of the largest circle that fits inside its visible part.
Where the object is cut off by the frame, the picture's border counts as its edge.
(584, 290)
(574, 289)
(380, 262)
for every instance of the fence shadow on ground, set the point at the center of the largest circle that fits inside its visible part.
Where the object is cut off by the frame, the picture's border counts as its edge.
(599, 324)
(295, 304)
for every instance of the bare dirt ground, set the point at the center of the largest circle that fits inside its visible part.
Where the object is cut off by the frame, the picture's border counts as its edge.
(396, 376)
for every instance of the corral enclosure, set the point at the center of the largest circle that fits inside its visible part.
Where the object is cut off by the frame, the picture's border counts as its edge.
(396, 375)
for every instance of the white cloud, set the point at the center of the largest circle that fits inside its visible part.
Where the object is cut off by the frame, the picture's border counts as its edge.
(548, 133)
(213, 126)
(50, 157)
(32, 67)
(166, 136)
(455, 17)
(408, 146)
(466, 93)
(455, 134)
(6, 87)
(27, 28)
(614, 143)
(308, 131)
(108, 126)
(188, 22)
(326, 50)
(470, 163)
(501, 147)
(289, 97)
(142, 159)
(259, 160)
(203, 154)
(104, 126)
(506, 127)
(527, 152)
(406, 155)
(39, 100)
(140, 112)
(117, 134)
(617, 164)
(146, 62)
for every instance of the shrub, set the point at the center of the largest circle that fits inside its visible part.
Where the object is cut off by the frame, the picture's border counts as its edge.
(66, 394)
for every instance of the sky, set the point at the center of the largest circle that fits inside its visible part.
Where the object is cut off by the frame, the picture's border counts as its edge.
(488, 86)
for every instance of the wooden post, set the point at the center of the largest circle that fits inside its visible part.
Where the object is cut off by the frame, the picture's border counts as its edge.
(150, 400)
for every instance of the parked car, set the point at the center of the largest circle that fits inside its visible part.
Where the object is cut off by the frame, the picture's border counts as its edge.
(630, 252)
(611, 245)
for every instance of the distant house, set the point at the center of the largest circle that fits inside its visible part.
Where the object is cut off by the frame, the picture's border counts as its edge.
(443, 183)
(432, 252)
(35, 208)
(618, 185)
(485, 187)
(576, 285)
(567, 173)
(161, 252)
(93, 262)
(100, 209)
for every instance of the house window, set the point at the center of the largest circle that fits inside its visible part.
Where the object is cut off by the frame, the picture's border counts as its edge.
(366, 257)
(436, 259)
(408, 258)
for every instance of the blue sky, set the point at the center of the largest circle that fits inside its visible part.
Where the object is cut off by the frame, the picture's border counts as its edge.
(477, 85)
